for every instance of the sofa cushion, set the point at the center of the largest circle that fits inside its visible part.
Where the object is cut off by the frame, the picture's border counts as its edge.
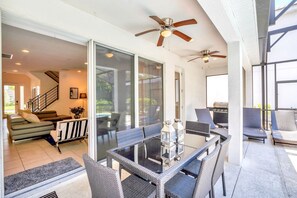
(31, 117)
(32, 132)
(285, 120)
(46, 114)
(17, 119)
(31, 125)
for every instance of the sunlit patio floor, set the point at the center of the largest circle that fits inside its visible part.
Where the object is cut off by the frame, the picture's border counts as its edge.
(266, 171)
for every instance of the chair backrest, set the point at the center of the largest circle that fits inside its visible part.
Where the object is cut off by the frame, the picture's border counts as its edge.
(203, 115)
(115, 119)
(219, 168)
(198, 128)
(129, 136)
(204, 181)
(72, 129)
(104, 182)
(252, 118)
(284, 120)
(152, 130)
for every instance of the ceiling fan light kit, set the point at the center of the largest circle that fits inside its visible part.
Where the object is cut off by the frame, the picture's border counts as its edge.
(167, 28)
(206, 54)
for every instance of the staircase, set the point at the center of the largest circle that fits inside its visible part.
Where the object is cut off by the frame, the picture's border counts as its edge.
(41, 102)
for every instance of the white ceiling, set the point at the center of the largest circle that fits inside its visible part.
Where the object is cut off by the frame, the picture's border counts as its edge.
(46, 53)
(133, 16)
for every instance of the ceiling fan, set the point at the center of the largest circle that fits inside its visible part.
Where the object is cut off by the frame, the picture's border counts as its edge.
(206, 54)
(167, 28)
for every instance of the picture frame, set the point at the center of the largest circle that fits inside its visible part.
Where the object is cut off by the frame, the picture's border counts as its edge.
(73, 93)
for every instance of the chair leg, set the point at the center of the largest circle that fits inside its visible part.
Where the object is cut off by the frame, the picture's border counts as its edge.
(212, 191)
(57, 145)
(224, 185)
(263, 141)
(210, 194)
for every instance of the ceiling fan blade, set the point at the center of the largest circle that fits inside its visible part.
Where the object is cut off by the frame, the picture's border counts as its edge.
(182, 35)
(218, 56)
(160, 41)
(158, 20)
(9, 56)
(145, 32)
(194, 59)
(213, 52)
(185, 22)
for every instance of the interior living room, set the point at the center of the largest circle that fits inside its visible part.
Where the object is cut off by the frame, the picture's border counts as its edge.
(192, 98)
(45, 77)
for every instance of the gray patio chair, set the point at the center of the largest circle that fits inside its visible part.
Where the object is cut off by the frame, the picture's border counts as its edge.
(105, 182)
(194, 167)
(129, 136)
(284, 127)
(197, 128)
(184, 186)
(252, 127)
(203, 115)
(152, 130)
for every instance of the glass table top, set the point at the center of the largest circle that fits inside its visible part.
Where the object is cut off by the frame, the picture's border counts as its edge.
(158, 157)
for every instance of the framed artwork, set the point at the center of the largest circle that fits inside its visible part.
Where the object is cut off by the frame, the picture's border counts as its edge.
(73, 94)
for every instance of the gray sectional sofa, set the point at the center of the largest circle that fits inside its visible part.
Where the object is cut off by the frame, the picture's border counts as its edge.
(19, 128)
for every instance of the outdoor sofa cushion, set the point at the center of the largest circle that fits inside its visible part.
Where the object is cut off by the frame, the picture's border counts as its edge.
(285, 120)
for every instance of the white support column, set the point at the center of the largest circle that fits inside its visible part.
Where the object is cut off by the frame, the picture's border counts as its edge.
(235, 102)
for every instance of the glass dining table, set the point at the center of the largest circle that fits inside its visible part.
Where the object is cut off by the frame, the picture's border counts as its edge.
(156, 162)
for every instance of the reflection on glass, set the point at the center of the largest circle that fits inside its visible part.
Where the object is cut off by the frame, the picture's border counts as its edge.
(114, 96)
(150, 92)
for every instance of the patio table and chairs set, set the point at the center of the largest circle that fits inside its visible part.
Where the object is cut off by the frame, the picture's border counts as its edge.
(190, 169)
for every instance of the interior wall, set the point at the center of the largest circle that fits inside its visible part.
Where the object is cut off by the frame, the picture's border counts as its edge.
(195, 90)
(46, 83)
(18, 80)
(70, 79)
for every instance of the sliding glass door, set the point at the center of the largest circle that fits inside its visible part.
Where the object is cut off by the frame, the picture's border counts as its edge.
(114, 96)
(150, 89)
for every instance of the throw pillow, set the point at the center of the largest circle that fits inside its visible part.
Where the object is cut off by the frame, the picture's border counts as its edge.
(285, 120)
(32, 118)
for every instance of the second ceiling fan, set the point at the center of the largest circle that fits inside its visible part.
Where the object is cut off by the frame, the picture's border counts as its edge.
(167, 27)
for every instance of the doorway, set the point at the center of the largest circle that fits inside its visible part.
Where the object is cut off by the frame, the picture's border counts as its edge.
(10, 102)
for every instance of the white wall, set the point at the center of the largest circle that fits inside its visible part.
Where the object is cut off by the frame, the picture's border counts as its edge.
(195, 90)
(216, 71)
(52, 14)
(70, 79)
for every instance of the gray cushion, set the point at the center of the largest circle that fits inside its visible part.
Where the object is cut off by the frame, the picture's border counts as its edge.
(254, 133)
(285, 120)
(31, 125)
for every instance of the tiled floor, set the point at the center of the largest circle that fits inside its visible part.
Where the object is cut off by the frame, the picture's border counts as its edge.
(23, 155)
(266, 171)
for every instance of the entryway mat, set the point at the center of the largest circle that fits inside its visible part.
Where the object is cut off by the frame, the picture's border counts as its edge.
(39, 174)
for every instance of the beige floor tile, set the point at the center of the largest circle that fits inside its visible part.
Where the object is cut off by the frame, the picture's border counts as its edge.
(13, 171)
(11, 157)
(13, 164)
(35, 159)
(37, 163)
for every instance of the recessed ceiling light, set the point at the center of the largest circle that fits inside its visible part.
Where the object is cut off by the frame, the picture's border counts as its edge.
(14, 70)
(86, 63)
(78, 71)
(25, 51)
(18, 63)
